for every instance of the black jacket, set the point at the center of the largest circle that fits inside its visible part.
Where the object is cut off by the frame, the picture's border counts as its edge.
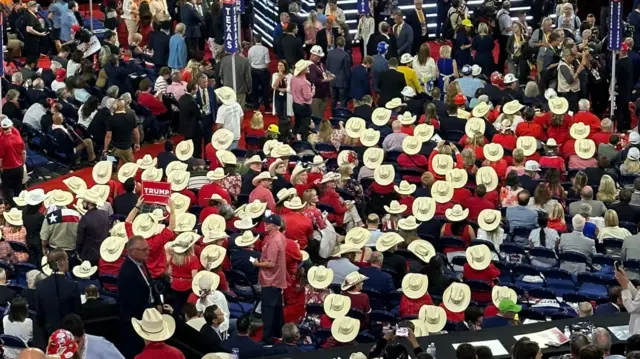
(364, 112)
(391, 83)
(208, 333)
(247, 185)
(290, 49)
(159, 43)
(412, 20)
(190, 116)
(322, 41)
(191, 18)
(33, 224)
(133, 290)
(56, 296)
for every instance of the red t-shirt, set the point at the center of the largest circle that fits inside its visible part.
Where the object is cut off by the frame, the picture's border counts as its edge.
(493, 197)
(553, 162)
(300, 188)
(452, 316)
(534, 157)
(407, 129)
(588, 118)
(181, 275)
(192, 196)
(254, 133)
(155, 350)
(359, 301)
(210, 155)
(331, 198)
(298, 228)
(477, 150)
(206, 211)
(460, 194)
(407, 201)
(530, 129)
(500, 167)
(11, 148)
(491, 311)
(442, 207)
(475, 205)
(151, 102)
(601, 137)
(507, 141)
(413, 161)
(379, 189)
(293, 258)
(210, 189)
(224, 285)
(411, 307)
(568, 148)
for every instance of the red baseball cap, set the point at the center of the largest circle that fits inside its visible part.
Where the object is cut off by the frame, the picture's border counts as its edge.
(497, 79)
(62, 343)
(460, 99)
(624, 47)
(61, 74)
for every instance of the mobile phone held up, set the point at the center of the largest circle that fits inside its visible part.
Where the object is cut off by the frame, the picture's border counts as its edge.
(402, 332)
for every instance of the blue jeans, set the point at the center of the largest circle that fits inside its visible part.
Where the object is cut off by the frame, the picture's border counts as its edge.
(338, 94)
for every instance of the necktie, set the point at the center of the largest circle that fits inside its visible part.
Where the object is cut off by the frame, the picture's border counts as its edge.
(420, 15)
(397, 30)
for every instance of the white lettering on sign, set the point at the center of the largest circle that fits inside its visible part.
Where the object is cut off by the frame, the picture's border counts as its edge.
(157, 191)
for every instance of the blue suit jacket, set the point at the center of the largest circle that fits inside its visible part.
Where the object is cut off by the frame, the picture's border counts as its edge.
(378, 280)
(606, 308)
(339, 63)
(212, 100)
(404, 40)
(379, 66)
(359, 82)
(191, 18)
(248, 348)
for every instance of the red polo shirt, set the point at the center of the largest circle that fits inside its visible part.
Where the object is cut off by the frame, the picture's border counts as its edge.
(298, 228)
(206, 211)
(11, 148)
(475, 205)
(506, 140)
(460, 194)
(554, 162)
(441, 208)
(293, 258)
(601, 137)
(156, 350)
(151, 102)
(413, 161)
(530, 129)
(157, 258)
(493, 197)
(210, 189)
(534, 157)
(588, 118)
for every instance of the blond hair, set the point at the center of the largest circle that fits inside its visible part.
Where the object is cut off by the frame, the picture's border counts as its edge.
(257, 121)
(518, 156)
(607, 190)
(611, 218)
(631, 166)
(324, 131)
(445, 51)
(557, 212)
(483, 29)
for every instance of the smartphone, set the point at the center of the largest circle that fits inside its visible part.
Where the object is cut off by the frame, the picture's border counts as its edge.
(402, 332)
(251, 259)
(616, 265)
(267, 213)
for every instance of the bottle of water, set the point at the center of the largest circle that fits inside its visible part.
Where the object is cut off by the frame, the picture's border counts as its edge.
(235, 353)
(567, 332)
(433, 350)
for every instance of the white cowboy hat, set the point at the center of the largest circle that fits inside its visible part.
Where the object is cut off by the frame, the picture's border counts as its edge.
(411, 145)
(442, 192)
(423, 208)
(373, 157)
(152, 174)
(317, 50)
(102, 171)
(489, 219)
(357, 237)
(92, 196)
(246, 239)
(550, 93)
(393, 103)
(295, 204)
(297, 170)
(269, 145)
(184, 150)
(227, 158)
(255, 209)
(185, 222)
(457, 177)
(154, 327)
(175, 166)
(126, 171)
(84, 270)
(408, 91)
(414, 285)
(345, 249)
(488, 177)
(395, 207)
(442, 164)
(456, 214)
(119, 230)
(380, 116)
(13, 217)
(317, 161)
(244, 223)
(144, 225)
(476, 70)
(300, 66)
(480, 110)
(319, 277)
(285, 194)
(493, 152)
(370, 137)
(355, 127)
(345, 329)
(456, 297)
(344, 157)
(527, 144)
(384, 175)
(274, 165)
(222, 139)
(212, 256)
(213, 236)
(405, 188)
(558, 105)
(423, 132)
(422, 249)
(282, 150)
(585, 149)
(111, 248)
(434, 318)
(499, 293)
(419, 328)
(59, 198)
(474, 127)
(147, 162)
(35, 197)
(305, 255)
(512, 107)
(76, 184)
(551, 143)
(352, 279)
(579, 131)
(216, 175)
(406, 58)
(336, 305)
(408, 224)
(253, 159)
(226, 95)
(180, 201)
(407, 119)
(213, 222)
(209, 280)
(387, 241)
(183, 242)
(478, 256)
(179, 180)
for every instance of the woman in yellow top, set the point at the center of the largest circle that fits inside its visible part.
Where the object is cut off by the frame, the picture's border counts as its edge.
(409, 73)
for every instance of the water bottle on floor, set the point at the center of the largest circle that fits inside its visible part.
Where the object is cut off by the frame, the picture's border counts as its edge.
(235, 353)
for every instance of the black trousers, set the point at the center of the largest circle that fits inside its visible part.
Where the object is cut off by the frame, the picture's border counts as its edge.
(261, 89)
(622, 113)
(272, 314)
(502, 57)
(302, 115)
(572, 98)
(12, 183)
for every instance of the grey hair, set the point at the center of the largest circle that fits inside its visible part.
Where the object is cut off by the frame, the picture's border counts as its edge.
(383, 26)
(111, 104)
(585, 210)
(126, 97)
(289, 333)
(60, 91)
(584, 105)
(376, 258)
(531, 90)
(180, 28)
(284, 16)
(602, 339)
(17, 77)
(38, 84)
(113, 91)
(606, 124)
(293, 7)
(33, 277)
(578, 223)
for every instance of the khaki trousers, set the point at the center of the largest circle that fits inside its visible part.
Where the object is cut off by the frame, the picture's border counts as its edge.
(319, 106)
(125, 156)
(241, 98)
(132, 28)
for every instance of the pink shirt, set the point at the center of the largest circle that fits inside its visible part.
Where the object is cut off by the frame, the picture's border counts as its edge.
(273, 250)
(177, 89)
(263, 195)
(301, 90)
(577, 163)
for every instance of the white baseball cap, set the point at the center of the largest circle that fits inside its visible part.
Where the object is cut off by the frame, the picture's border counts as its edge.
(510, 78)
(532, 166)
(6, 123)
(634, 137)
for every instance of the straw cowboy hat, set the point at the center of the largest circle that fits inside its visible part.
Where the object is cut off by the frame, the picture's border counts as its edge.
(185, 222)
(84, 270)
(442, 164)
(345, 329)
(226, 95)
(480, 110)
(499, 293)
(405, 188)
(456, 214)
(527, 144)
(304, 255)
(274, 165)
(213, 236)
(355, 127)
(285, 194)
(434, 317)
(373, 157)
(254, 159)
(395, 207)
(384, 175)
(551, 143)
(218, 356)
(407, 119)
(213, 222)
(183, 242)
(489, 219)
(111, 248)
(423, 208)
(585, 149)
(442, 191)
(282, 150)
(152, 174)
(76, 184)
(336, 305)
(92, 196)
(579, 131)
(246, 239)
(488, 177)
(422, 249)
(423, 132)
(175, 166)
(13, 217)
(456, 297)
(408, 224)
(558, 105)
(512, 107)
(419, 328)
(380, 116)
(345, 249)
(411, 145)
(255, 209)
(154, 327)
(184, 150)
(79, 207)
(35, 197)
(478, 256)
(147, 162)
(352, 279)
(347, 157)
(180, 201)
(474, 127)
(59, 198)
(222, 139)
(244, 223)
(295, 204)
(387, 241)
(216, 175)
(297, 170)
(179, 180)
(144, 225)
(370, 137)
(119, 230)
(406, 58)
(21, 199)
(227, 158)
(102, 171)
(212, 256)
(210, 281)
(126, 171)
(269, 145)
(394, 103)
(457, 177)
(414, 285)
(493, 152)
(301, 66)
(357, 237)
(320, 277)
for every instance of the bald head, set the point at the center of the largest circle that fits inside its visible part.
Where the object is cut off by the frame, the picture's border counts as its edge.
(31, 353)
(586, 193)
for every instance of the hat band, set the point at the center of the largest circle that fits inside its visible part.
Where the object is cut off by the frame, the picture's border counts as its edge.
(433, 320)
(154, 330)
(346, 329)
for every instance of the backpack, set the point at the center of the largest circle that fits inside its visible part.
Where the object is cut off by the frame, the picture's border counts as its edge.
(447, 29)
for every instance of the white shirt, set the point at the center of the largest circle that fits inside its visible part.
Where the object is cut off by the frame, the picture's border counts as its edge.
(161, 85)
(73, 67)
(85, 121)
(216, 298)
(631, 302)
(57, 85)
(230, 116)
(258, 56)
(33, 115)
(22, 330)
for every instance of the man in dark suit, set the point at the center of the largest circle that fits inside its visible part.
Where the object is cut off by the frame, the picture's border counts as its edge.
(417, 19)
(364, 110)
(403, 33)
(190, 116)
(6, 293)
(210, 331)
(159, 43)
(240, 260)
(452, 122)
(291, 46)
(391, 83)
(377, 37)
(626, 212)
(248, 347)
(615, 304)
(193, 21)
(136, 294)
(294, 8)
(206, 99)
(326, 38)
(339, 64)
(379, 281)
(360, 84)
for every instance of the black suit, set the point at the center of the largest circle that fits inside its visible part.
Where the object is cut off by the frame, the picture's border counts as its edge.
(374, 40)
(413, 21)
(451, 123)
(322, 41)
(290, 49)
(626, 212)
(56, 296)
(192, 20)
(293, 18)
(6, 295)
(190, 122)
(247, 185)
(528, 183)
(211, 335)
(159, 43)
(364, 112)
(391, 83)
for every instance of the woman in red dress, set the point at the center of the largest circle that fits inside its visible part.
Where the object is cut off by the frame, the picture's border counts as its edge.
(182, 265)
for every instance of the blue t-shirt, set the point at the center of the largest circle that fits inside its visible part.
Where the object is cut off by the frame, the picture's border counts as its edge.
(589, 230)
(495, 322)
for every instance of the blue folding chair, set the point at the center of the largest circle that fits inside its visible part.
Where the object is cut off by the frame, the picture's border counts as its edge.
(532, 314)
(382, 316)
(320, 336)
(506, 276)
(453, 242)
(627, 180)
(612, 245)
(577, 258)
(515, 253)
(326, 150)
(342, 113)
(453, 135)
(520, 235)
(479, 289)
(365, 338)
(300, 146)
(376, 299)
(520, 271)
(10, 341)
(559, 280)
(392, 156)
(356, 314)
(591, 286)
(20, 271)
(630, 226)
(573, 297)
(543, 253)
(335, 121)
(542, 293)
(252, 142)
(487, 243)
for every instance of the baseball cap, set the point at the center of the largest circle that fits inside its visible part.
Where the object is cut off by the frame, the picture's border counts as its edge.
(508, 306)
(460, 99)
(634, 138)
(466, 70)
(382, 47)
(61, 74)
(532, 166)
(274, 219)
(62, 343)
(510, 78)
(273, 128)
(6, 123)
(633, 154)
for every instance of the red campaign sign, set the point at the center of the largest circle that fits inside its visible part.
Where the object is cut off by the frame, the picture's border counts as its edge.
(156, 192)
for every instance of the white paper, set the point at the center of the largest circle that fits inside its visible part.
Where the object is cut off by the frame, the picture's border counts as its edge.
(497, 349)
(621, 332)
(251, 259)
(552, 335)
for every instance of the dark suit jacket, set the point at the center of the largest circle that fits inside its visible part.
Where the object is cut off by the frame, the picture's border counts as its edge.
(210, 335)
(282, 348)
(339, 64)
(404, 39)
(248, 347)
(134, 291)
(47, 76)
(606, 308)
(247, 185)
(6, 295)
(378, 280)
(212, 100)
(528, 183)
(396, 263)
(191, 18)
(70, 111)
(294, 18)
(412, 20)
(159, 43)
(360, 84)
(461, 327)
(190, 116)
(451, 123)
(290, 49)
(322, 41)
(363, 111)
(374, 40)
(240, 261)
(56, 296)
(626, 212)
(390, 83)
(34, 96)
(164, 158)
